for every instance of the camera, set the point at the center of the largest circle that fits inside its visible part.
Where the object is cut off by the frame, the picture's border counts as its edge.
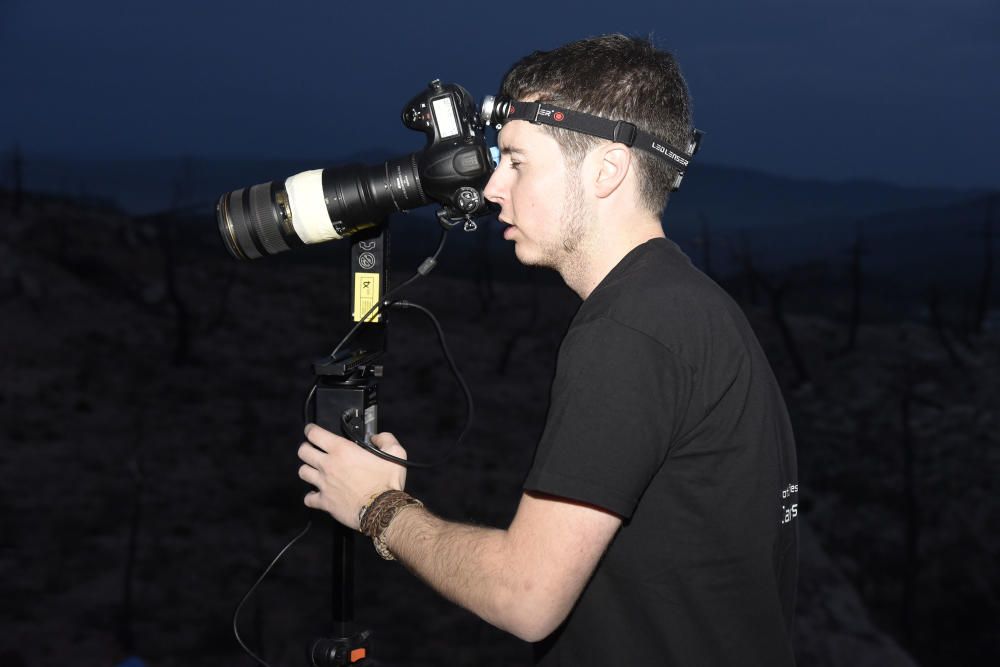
(327, 204)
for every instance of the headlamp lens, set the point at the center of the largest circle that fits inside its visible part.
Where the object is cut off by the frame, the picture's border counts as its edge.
(494, 110)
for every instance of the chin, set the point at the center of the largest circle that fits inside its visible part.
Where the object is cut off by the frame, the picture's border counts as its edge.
(528, 259)
(524, 256)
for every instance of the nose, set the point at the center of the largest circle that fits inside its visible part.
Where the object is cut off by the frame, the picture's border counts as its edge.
(493, 190)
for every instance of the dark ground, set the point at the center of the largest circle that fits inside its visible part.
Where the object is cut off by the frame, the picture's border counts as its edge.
(151, 409)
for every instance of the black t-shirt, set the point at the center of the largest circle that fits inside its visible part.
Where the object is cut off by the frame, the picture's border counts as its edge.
(665, 411)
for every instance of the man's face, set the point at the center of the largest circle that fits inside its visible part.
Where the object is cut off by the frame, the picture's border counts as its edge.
(539, 197)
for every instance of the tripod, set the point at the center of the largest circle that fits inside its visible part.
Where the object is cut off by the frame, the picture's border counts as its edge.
(346, 402)
(346, 398)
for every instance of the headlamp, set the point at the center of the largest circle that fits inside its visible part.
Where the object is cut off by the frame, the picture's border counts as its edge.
(496, 111)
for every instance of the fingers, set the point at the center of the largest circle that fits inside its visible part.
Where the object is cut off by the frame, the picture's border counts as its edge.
(316, 435)
(309, 454)
(322, 438)
(312, 500)
(385, 438)
(325, 442)
(388, 443)
(310, 475)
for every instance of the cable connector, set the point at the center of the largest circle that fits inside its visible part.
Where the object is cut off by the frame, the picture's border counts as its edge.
(427, 266)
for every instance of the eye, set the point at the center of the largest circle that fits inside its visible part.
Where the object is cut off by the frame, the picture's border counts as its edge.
(514, 164)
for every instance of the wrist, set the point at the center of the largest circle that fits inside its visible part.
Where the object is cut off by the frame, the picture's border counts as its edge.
(378, 514)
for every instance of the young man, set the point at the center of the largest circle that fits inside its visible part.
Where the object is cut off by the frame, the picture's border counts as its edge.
(653, 526)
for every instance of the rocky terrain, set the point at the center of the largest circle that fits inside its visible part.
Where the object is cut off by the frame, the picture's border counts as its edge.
(151, 406)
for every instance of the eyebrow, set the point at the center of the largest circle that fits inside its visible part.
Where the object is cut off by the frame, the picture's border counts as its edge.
(507, 150)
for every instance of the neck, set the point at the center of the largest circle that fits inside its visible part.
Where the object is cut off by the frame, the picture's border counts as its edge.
(605, 245)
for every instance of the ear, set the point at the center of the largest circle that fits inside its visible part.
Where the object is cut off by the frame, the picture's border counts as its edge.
(615, 162)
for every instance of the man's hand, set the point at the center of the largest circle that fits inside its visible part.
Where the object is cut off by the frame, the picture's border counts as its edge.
(345, 475)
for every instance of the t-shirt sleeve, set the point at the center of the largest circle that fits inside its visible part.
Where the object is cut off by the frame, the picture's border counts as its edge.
(618, 398)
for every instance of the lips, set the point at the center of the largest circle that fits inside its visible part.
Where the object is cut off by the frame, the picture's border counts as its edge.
(510, 226)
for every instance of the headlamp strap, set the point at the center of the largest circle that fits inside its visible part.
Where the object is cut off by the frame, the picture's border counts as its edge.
(620, 131)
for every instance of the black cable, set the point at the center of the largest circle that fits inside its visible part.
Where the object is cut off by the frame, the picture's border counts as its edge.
(425, 267)
(239, 607)
(470, 406)
(306, 418)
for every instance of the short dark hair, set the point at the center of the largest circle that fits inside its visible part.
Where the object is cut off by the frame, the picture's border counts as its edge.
(619, 78)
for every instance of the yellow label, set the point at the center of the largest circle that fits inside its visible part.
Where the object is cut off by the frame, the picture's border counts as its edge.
(366, 295)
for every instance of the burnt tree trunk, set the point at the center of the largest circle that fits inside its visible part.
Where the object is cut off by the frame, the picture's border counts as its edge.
(985, 283)
(484, 275)
(776, 293)
(911, 518)
(124, 630)
(17, 180)
(166, 228)
(749, 272)
(182, 315)
(857, 286)
(941, 327)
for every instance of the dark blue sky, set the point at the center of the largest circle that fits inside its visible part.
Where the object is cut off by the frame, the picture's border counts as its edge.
(906, 91)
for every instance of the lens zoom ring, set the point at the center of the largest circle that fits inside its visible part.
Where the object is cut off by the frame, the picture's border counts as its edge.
(264, 214)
